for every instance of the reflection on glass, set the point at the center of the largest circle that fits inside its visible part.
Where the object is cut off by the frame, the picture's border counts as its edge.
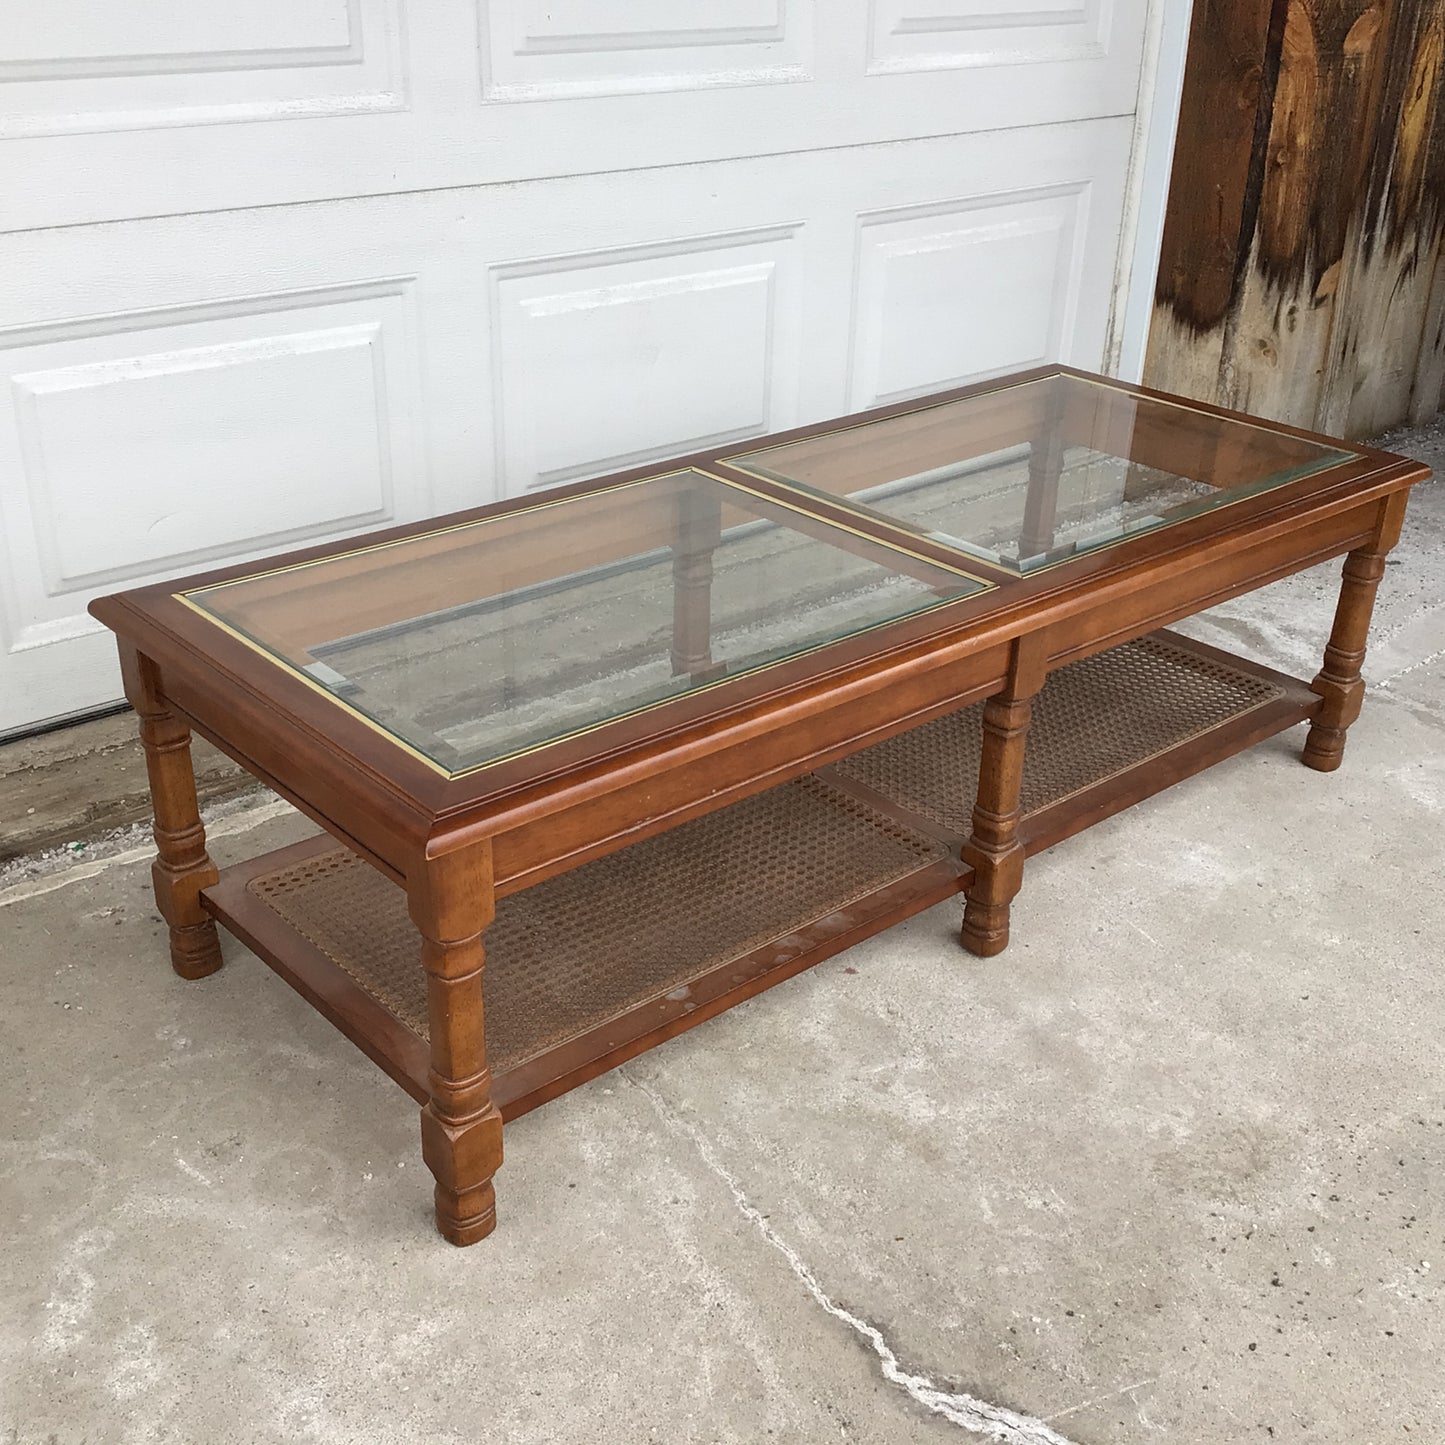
(1040, 471)
(475, 642)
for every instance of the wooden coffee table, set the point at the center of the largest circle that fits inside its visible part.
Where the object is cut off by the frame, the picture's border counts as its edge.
(665, 739)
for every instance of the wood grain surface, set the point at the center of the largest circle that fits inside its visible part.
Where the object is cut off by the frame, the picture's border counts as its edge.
(1301, 276)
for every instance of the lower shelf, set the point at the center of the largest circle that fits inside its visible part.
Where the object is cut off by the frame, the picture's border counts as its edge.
(591, 968)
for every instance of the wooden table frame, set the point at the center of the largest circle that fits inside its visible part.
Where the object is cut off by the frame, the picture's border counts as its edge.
(457, 845)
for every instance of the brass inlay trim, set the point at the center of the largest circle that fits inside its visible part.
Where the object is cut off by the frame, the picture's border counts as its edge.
(735, 463)
(1107, 383)
(984, 585)
(1011, 570)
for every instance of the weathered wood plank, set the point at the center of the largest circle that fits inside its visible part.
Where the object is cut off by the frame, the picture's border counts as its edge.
(1334, 313)
(1277, 343)
(1381, 338)
(1230, 70)
(1427, 394)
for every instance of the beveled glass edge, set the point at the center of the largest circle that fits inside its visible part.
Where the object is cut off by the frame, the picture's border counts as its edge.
(1330, 456)
(975, 553)
(1107, 383)
(982, 585)
(542, 505)
(1202, 507)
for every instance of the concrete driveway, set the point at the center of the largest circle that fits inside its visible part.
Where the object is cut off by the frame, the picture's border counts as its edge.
(1168, 1169)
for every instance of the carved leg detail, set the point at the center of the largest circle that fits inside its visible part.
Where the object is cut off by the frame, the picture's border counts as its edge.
(463, 1153)
(461, 1129)
(994, 851)
(182, 867)
(692, 615)
(1041, 502)
(699, 529)
(1339, 682)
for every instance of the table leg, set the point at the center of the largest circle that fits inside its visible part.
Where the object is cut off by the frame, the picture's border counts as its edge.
(1339, 682)
(182, 866)
(994, 851)
(1041, 500)
(698, 533)
(451, 903)
(1046, 465)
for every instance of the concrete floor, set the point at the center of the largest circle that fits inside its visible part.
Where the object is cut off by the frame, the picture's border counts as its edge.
(1168, 1169)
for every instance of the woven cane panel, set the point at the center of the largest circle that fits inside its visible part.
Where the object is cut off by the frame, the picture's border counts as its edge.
(1092, 720)
(581, 949)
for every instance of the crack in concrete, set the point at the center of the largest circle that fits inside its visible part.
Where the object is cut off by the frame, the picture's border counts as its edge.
(993, 1421)
(1413, 667)
(1127, 1390)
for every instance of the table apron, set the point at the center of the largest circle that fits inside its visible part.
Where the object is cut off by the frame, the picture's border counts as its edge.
(373, 834)
(663, 792)
(647, 805)
(598, 825)
(1121, 617)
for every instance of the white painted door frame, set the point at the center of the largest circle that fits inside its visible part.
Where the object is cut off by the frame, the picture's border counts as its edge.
(1161, 86)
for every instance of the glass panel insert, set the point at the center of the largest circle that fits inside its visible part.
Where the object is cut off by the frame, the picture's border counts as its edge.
(1035, 473)
(475, 642)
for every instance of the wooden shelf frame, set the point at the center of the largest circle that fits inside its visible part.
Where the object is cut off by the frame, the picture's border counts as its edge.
(1273, 703)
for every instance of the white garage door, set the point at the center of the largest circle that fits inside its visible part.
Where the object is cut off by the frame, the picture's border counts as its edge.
(282, 270)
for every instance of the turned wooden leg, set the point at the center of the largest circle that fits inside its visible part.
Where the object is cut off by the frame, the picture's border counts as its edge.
(182, 866)
(699, 529)
(1339, 682)
(451, 903)
(1041, 501)
(692, 614)
(994, 851)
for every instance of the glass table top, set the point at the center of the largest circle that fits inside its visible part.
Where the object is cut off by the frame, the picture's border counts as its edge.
(1033, 473)
(475, 642)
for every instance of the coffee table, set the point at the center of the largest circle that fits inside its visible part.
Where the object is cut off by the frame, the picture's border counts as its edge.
(649, 744)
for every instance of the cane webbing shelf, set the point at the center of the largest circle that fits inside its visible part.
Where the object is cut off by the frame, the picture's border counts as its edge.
(597, 962)
(1093, 720)
(576, 965)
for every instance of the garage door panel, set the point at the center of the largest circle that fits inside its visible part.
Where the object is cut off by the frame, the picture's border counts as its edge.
(464, 93)
(187, 389)
(77, 67)
(918, 266)
(907, 35)
(541, 49)
(948, 293)
(609, 359)
(149, 443)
